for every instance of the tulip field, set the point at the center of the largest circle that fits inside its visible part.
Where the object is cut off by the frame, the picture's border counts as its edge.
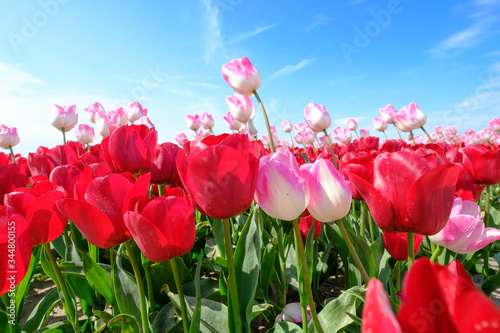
(241, 232)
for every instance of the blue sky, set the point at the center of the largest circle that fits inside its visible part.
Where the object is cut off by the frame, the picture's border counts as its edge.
(353, 56)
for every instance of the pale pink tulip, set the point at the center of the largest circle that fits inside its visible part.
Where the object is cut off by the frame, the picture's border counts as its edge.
(64, 118)
(8, 137)
(144, 120)
(344, 135)
(242, 76)
(92, 109)
(410, 118)
(438, 129)
(181, 138)
(379, 124)
(118, 116)
(298, 139)
(470, 131)
(286, 126)
(388, 113)
(233, 124)
(292, 312)
(308, 137)
(207, 121)
(452, 130)
(299, 128)
(193, 122)
(135, 111)
(494, 125)
(364, 133)
(317, 118)
(241, 107)
(85, 134)
(352, 124)
(203, 133)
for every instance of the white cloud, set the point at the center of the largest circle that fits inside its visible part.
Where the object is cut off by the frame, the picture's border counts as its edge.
(250, 34)
(292, 68)
(212, 38)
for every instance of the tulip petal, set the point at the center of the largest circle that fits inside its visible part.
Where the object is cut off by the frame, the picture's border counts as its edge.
(139, 190)
(437, 186)
(487, 168)
(46, 222)
(65, 176)
(378, 316)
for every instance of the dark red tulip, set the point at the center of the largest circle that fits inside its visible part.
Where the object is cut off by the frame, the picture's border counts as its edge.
(163, 227)
(66, 176)
(100, 216)
(435, 299)
(45, 160)
(130, 149)
(483, 164)
(164, 168)
(305, 224)
(12, 176)
(407, 195)
(15, 249)
(397, 244)
(219, 173)
(359, 164)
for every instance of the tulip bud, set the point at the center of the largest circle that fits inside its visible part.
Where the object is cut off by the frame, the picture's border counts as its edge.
(118, 116)
(135, 111)
(92, 109)
(317, 118)
(144, 121)
(494, 125)
(364, 133)
(286, 126)
(379, 124)
(207, 121)
(242, 76)
(352, 124)
(409, 118)
(388, 113)
(452, 130)
(181, 138)
(233, 124)
(63, 118)
(241, 107)
(8, 137)
(193, 122)
(344, 135)
(299, 128)
(438, 129)
(85, 134)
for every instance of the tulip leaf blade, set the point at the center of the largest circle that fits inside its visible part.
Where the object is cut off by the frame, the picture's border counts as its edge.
(41, 311)
(166, 320)
(97, 277)
(287, 327)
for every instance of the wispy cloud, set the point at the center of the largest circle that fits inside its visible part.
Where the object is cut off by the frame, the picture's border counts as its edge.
(292, 68)
(319, 21)
(250, 34)
(212, 38)
(204, 85)
(348, 79)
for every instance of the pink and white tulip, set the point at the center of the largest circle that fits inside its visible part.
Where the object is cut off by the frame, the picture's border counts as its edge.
(330, 195)
(233, 124)
(64, 118)
(343, 135)
(308, 137)
(292, 312)
(352, 124)
(144, 120)
(241, 107)
(8, 137)
(92, 109)
(203, 133)
(298, 139)
(286, 126)
(494, 125)
(317, 118)
(410, 118)
(135, 111)
(281, 190)
(193, 122)
(118, 116)
(438, 129)
(388, 113)
(470, 132)
(85, 134)
(364, 133)
(465, 232)
(207, 121)
(181, 138)
(299, 128)
(379, 124)
(452, 130)
(242, 76)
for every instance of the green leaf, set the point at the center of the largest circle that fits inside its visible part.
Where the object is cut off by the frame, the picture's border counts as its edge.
(22, 288)
(334, 316)
(5, 320)
(97, 277)
(161, 274)
(287, 327)
(41, 311)
(267, 266)
(126, 290)
(377, 252)
(59, 327)
(166, 320)
(218, 231)
(195, 321)
(247, 265)
(491, 284)
(124, 323)
(364, 253)
(257, 309)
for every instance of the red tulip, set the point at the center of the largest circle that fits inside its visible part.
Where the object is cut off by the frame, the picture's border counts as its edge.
(130, 148)
(435, 299)
(397, 244)
(15, 249)
(219, 173)
(360, 165)
(164, 168)
(100, 216)
(407, 195)
(45, 160)
(163, 227)
(305, 225)
(483, 164)
(12, 176)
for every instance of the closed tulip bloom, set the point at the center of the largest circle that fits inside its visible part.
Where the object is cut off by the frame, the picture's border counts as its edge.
(344, 135)
(292, 312)
(410, 118)
(352, 124)
(118, 116)
(408, 195)
(364, 133)
(164, 168)
(330, 196)
(91, 110)
(193, 122)
(324, 140)
(64, 118)
(308, 137)
(232, 124)
(397, 244)
(219, 173)
(494, 125)
(482, 164)
(102, 122)
(282, 192)
(286, 126)
(203, 133)
(379, 124)
(465, 232)
(85, 134)
(241, 107)
(164, 227)
(452, 130)
(242, 76)
(8, 137)
(181, 138)
(299, 128)
(388, 113)
(317, 118)
(144, 121)
(207, 121)
(438, 129)
(298, 139)
(470, 132)
(135, 111)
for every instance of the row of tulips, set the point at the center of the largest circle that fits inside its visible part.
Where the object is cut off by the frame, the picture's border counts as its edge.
(139, 227)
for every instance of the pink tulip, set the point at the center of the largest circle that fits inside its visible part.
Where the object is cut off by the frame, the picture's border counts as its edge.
(352, 124)
(242, 76)
(470, 131)
(330, 196)
(298, 139)
(410, 118)
(388, 113)
(324, 140)
(494, 125)
(364, 133)
(438, 129)
(308, 137)
(344, 135)
(281, 190)
(135, 111)
(181, 138)
(452, 130)
(203, 133)
(337, 130)
(63, 118)
(299, 128)
(85, 134)
(317, 118)
(91, 110)
(8, 137)
(465, 232)
(118, 116)
(379, 124)
(286, 126)
(207, 121)
(102, 122)
(292, 312)
(241, 107)
(193, 122)
(233, 124)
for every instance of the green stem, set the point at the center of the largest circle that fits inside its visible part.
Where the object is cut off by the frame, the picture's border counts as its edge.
(64, 135)
(271, 143)
(180, 291)
(397, 129)
(412, 138)
(334, 158)
(303, 302)
(436, 253)
(398, 275)
(356, 134)
(411, 249)
(299, 247)
(353, 252)
(233, 288)
(281, 253)
(73, 317)
(370, 222)
(363, 213)
(428, 136)
(486, 250)
(140, 285)
(12, 155)
(146, 264)
(385, 135)
(161, 190)
(112, 263)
